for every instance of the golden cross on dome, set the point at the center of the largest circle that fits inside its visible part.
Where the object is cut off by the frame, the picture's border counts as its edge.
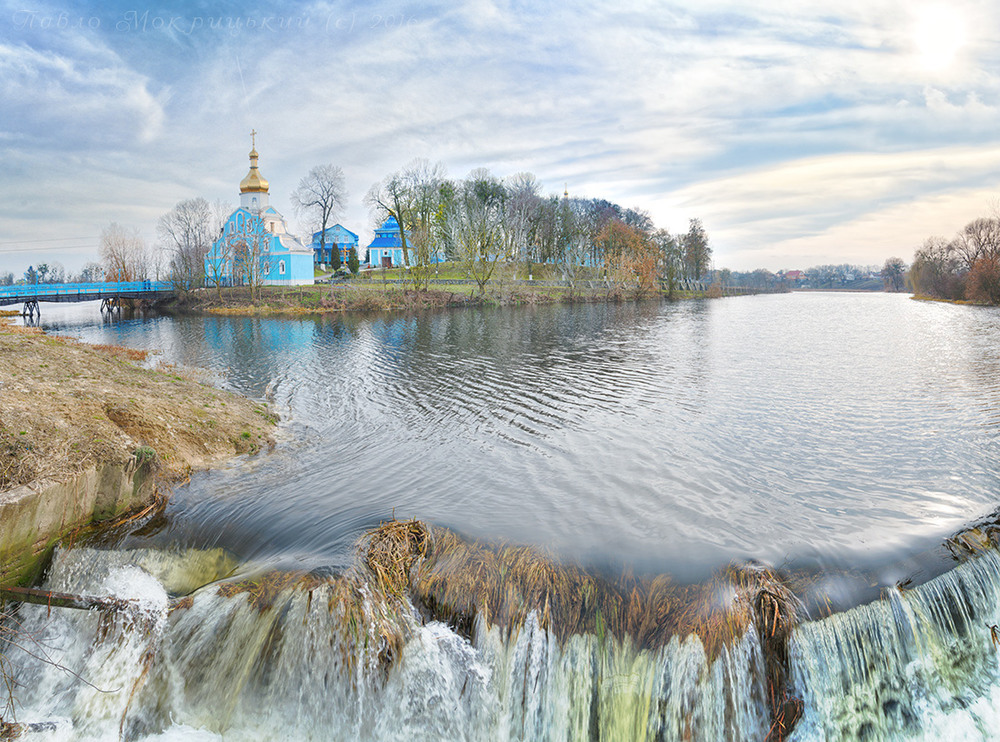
(253, 138)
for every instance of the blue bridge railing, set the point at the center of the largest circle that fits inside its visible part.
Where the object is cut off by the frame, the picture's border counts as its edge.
(80, 291)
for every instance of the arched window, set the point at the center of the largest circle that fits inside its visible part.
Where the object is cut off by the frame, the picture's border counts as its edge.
(281, 267)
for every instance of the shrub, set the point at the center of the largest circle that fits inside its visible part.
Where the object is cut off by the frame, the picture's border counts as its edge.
(983, 282)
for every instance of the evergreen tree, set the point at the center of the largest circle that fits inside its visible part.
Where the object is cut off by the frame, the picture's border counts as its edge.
(352, 261)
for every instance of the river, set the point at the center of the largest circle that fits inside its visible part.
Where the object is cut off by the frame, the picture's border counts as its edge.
(846, 435)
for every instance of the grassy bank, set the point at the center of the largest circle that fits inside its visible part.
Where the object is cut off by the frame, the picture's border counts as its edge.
(374, 295)
(66, 407)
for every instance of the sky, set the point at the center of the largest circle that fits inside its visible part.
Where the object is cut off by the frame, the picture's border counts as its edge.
(802, 134)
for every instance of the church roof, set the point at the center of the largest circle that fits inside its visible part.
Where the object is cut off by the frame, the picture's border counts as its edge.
(291, 244)
(390, 224)
(335, 229)
(383, 241)
(254, 182)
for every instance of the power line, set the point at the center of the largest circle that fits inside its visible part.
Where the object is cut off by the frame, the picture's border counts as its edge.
(48, 249)
(48, 239)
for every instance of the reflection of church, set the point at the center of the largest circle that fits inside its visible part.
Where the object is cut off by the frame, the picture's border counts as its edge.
(257, 232)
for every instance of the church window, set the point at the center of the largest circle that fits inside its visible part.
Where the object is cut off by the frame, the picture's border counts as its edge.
(281, 267)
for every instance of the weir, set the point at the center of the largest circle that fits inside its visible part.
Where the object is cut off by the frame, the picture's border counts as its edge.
(200, 654)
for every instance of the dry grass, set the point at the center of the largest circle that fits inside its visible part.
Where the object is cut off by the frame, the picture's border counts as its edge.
(126, 354)
(458, 580)
(390, 550)
(66, 407)
(367, 296)
(262, 591)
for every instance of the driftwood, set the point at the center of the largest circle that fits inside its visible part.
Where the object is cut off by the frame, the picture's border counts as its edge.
(63, 600)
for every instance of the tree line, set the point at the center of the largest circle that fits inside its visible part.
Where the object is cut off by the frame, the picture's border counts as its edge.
(54, 272)
(964, 268)
(482, 221)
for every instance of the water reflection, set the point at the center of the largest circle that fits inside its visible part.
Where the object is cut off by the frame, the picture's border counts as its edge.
(822, 427)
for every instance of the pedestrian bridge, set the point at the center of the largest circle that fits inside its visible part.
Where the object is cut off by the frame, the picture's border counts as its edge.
(109, 293)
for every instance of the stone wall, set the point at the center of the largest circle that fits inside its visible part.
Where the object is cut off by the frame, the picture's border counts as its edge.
(35, 516)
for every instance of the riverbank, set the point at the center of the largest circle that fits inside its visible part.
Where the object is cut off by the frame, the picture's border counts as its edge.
(87, 434)
(376, 296)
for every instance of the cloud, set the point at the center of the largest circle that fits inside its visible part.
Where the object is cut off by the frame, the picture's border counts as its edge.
(834, 204)
(773, 125)
(88, 98)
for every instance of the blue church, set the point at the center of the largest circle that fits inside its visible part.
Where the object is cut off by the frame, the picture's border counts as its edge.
(386, 250)
(256, 232)
(337, 237)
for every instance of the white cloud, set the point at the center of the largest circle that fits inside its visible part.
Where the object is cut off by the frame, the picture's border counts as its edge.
(798, 211)
(91, 98)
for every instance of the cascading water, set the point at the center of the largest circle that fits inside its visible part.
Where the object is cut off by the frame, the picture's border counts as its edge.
(330, 659)
(920, 664)
(326, 663)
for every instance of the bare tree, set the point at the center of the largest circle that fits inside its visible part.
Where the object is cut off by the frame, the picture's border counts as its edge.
(978, 239)
(90, 273)
(697, 253)
(894, 274)
(392, 198)
(521, 215)
(414, 198)
(57, 272)
(247, 251)
(187, 231)
(671, 259)
(320, 199)
(629, 257)
(431, 193)
(219, 265)
(477, 225)
(937, 271)
(123, 254)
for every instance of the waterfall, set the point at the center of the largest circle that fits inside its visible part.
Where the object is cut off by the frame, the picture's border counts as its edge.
(327, 661)
(306, 658)
(919, 664)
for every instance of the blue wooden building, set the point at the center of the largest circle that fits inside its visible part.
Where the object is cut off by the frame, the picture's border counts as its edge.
(256, 233)
(337, 237)
(386, 250)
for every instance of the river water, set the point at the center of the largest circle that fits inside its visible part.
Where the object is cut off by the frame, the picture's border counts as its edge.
(844, 433)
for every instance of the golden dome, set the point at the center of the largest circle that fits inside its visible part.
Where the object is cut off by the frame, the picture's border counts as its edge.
(253, 182)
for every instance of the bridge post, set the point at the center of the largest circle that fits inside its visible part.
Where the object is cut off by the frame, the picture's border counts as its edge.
(31, 308)
(111, 304)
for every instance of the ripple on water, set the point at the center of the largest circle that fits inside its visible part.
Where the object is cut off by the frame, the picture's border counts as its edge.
(675, 435)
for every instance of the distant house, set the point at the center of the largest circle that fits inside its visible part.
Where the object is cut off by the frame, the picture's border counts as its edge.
(255, 237)
(386, 250)
(337, 237)
(795, 276)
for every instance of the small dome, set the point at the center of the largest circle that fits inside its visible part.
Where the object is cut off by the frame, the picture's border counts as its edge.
(253, 182)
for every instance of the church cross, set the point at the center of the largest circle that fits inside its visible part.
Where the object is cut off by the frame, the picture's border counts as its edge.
(253, 138)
